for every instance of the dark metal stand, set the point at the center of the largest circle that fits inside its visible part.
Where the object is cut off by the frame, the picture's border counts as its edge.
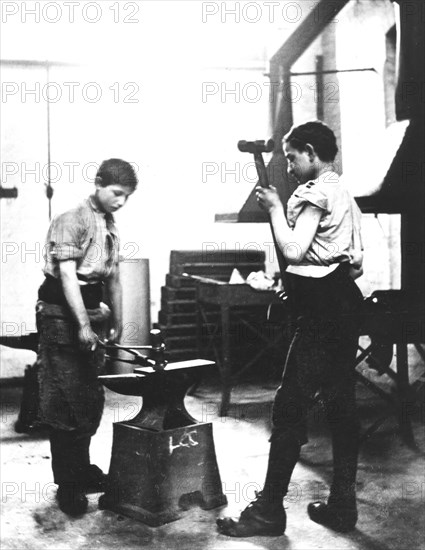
(392, 320)
(163, 460)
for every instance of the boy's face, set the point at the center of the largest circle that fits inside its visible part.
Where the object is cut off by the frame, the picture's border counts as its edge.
(300, 165)
(112, 197)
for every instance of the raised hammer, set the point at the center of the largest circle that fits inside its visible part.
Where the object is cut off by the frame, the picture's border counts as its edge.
(256, 148)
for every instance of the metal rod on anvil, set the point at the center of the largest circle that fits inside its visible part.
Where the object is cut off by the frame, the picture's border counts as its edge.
(157, 347)
(125, 348)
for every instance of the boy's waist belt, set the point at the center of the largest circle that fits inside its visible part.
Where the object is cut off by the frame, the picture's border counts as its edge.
(51, 291)
(56, 327)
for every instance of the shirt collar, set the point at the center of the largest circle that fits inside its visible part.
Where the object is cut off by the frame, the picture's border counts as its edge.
(93, 206)
(107, 215)
(327, 177)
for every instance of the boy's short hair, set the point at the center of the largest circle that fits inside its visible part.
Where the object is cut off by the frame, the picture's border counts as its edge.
(317, 134)
(117, 172)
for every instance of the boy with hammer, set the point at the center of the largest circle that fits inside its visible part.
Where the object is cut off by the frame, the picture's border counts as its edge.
(81, 257)
(319, 238)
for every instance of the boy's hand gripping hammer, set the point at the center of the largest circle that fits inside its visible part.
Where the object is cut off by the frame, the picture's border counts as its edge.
(256, 148)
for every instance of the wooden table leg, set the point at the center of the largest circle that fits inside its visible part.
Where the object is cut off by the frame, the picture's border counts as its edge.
(403, 396)
(199, 329)
(199, 334)
(225, 363)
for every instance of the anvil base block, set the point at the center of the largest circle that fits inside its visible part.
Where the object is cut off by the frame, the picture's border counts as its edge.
(153, 476)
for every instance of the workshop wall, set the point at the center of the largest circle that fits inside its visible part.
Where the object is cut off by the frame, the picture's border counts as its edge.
(172, 93)
(358, 102)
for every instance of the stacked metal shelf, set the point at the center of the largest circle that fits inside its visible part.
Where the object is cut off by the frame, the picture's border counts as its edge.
(177, 318)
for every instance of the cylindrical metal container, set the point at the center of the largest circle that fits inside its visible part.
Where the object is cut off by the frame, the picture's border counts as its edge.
(136, 310)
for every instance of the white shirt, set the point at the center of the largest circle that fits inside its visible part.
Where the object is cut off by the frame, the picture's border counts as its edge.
(337, 238)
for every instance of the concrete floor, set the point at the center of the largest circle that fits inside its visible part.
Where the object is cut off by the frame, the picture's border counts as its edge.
(391, 483)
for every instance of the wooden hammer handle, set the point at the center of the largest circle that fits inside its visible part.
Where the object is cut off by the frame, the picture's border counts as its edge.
(261, 170)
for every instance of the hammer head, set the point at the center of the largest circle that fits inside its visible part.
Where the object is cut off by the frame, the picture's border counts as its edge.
(254, 147)
(158, 349)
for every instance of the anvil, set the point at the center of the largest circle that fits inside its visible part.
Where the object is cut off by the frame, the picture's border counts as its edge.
(163, 459)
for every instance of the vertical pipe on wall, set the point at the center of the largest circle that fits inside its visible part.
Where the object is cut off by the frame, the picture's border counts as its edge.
(320, 107)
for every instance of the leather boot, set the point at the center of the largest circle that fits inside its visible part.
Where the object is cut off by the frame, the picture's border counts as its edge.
(265, 515)
(340, 511)
(341, 517)
(71, 499)
(94, 480)
(260, 518)
(69, 461)
(91, 477)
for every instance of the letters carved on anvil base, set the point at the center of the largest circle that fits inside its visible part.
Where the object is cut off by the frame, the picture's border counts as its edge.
(154, 476)
(162, 461)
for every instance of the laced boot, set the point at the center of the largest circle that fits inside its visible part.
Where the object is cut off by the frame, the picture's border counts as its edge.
(339, 514)
(94, 480)
(71, 499)
(90, 476)
(69, 462)
(340, 511)
(265, 516)
(260, 518)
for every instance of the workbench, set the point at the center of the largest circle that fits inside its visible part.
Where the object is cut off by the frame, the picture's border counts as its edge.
(231, 298)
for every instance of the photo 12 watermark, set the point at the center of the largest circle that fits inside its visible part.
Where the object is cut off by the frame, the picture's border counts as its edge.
(254, 92)
(325, 252)
(68, 171)
(246, 173)
(70, 11)
(235, 252)
(32, 492)
(268, 12)
(69, 92)
(37, 252)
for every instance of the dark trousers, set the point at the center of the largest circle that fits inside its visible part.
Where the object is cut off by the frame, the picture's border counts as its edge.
(320, 361)
(70, 456)
(71, 397)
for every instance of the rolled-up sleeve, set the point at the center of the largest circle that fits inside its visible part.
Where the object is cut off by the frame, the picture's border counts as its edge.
(305, 194)
(65, 240)
(312, 195)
